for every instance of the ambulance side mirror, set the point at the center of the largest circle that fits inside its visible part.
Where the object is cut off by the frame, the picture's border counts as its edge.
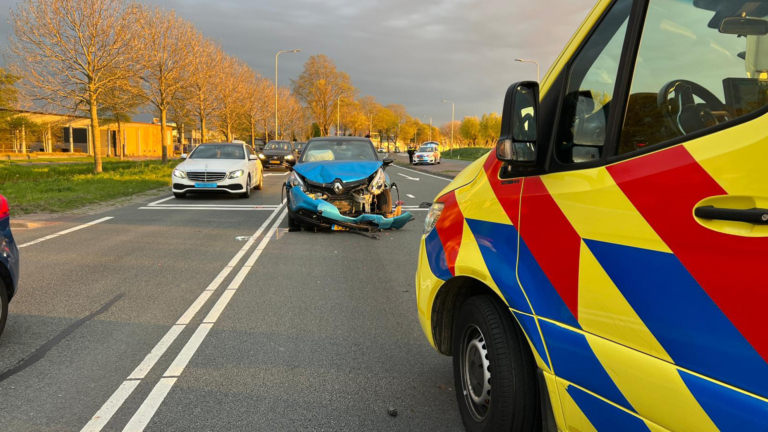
(517, 143)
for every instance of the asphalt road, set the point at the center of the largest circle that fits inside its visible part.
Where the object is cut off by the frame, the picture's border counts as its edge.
(160, 318)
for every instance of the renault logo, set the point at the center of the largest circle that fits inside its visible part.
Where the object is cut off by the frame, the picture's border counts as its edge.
(337, 187)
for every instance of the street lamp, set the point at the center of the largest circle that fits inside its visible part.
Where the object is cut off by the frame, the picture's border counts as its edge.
(453, 116)
(430, 127)
(276, 56)
(538, 74)
(338, 114)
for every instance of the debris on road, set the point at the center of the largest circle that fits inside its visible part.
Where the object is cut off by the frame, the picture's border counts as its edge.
(392, 412)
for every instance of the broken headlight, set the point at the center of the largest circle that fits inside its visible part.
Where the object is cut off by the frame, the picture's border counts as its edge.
(434, 214)
(378, 183)
(296, 181)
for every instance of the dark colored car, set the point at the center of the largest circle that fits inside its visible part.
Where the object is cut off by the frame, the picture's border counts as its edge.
(258, 144)
(278, 154)
(299, 147)
(9, 263)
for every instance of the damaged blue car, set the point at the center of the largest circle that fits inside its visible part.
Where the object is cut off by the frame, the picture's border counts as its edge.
(339, 183)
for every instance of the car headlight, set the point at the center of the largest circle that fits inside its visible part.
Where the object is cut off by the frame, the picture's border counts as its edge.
(236, 174)
(179, 174)
(378, 183)
(261, 156)
(296, 181)
(289, 157)
(434, 214)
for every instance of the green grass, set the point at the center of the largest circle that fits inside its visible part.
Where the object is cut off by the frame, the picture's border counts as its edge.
(84, 159)
(62, 187)
(468, 153)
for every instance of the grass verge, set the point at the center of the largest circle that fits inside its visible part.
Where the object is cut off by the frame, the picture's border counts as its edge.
(61, 187)
(467, 154)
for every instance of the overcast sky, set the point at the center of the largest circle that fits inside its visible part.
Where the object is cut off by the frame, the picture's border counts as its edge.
(411, 52)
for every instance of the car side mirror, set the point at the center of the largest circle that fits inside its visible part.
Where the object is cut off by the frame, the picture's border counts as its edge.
(252, 157)
(388, 161)
(183, 155)
(517, 143)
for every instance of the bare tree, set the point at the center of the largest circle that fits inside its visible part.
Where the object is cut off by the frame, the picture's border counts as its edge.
(319, 86)
(119, 104)
(228, 91)
(257, 104)
(205, 71)
(166, 61)
(70, 51)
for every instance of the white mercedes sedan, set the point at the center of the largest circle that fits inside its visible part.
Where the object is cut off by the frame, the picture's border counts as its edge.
(230, 168)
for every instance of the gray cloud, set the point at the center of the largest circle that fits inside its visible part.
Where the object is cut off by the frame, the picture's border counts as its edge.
(401, 51)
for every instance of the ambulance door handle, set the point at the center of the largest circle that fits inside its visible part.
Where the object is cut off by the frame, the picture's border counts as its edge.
(755, 216)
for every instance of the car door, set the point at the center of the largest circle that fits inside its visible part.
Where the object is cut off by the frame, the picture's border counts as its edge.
(644, 225)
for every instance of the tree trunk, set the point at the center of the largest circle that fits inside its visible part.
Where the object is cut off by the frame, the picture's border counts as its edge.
(202, 130)
(181, 139)
(163, 134)
(120, 138)
(23, 139)
(95, 138)
(253, 136)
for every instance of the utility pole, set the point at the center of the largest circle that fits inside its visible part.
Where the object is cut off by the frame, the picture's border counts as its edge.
(276, 56)
(453, 120)
(338, 114)
(430, 127)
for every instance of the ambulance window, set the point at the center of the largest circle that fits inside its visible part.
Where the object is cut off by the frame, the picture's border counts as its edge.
(700, 64)
(591, 83)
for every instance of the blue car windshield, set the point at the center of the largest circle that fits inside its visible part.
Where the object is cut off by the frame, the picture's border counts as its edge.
(218, 151)
(342, 150)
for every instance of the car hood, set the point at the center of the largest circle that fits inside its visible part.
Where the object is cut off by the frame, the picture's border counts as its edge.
(211, 164)
(275, 152)
(328, 171)
(425, 153)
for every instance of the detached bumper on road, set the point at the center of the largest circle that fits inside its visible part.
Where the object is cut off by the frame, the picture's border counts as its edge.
(305, 208)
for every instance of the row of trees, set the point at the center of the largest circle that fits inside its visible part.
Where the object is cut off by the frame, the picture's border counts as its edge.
(113, 58)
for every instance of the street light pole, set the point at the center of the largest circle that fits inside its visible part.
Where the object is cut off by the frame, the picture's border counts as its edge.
(430, 127)
(276, 56)
(338, 114)
(453, 116)
(538, 73)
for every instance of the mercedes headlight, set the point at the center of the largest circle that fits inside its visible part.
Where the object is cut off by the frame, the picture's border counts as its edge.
(236, 174)
(378, 183)
(179, 174)
(296, 181)
(434, 214)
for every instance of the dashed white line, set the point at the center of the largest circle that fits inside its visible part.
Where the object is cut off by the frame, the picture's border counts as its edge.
(207, 208)
(410, 196)
(162, 200)
(423, 173)
(408, 177)
(105, 413)
(147, 409)
(67, 231)
(277, 174)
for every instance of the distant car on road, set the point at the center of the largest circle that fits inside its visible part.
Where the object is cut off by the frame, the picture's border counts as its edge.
(229, 168)
(278, 154)
(428, 153)
(9, 263)
(381, 150)
(298, 146)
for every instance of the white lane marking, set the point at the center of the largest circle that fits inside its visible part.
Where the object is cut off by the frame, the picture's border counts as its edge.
(67, 231)
(162, 200)
(277, 174)
(150, 405)
(114, 403)
(408, 177)
(423, 173)
(206, 208)
(181, 360)
(410, 196)
(269, 206)
(147, 409)
(144, 367)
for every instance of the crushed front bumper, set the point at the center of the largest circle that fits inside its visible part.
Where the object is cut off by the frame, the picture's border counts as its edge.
(324, 214)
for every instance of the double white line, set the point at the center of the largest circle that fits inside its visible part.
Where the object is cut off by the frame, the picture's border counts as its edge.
(147, 410)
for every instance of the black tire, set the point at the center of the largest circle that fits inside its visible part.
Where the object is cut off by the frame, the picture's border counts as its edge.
(3, 306)
(247, 193)
(260, 185)
(292, 224)
(484, 328)
(180, 195)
